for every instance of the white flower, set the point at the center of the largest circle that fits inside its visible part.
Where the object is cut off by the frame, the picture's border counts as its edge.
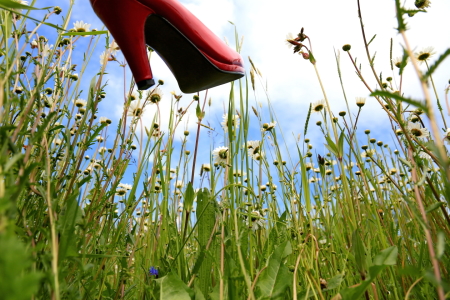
(309, 166)
(254, 150)
(425, 54)
(418, 132)
(135, 109)
(289, 37)
(220, 155)
(33, 44)
(99, 138)
(57, 142)
(80, 103)
(268, 126)
(102, 150)
(105, 120)
(424, 155)
(104, 56)
(234, 122)
(206, 167)
(447, 136)
(46, 50)
(368, 153)
(155, 95)
(125, 186)
(255, 220)
(179, 184)
(318, 106)
(121, 191)
(80, 26)
(114, 47)
(313, 179)
(316, 170)
(360, 101)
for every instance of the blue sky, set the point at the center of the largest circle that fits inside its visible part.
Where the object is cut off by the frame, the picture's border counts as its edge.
(291, 81)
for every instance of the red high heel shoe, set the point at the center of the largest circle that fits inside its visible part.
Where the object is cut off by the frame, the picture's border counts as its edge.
(196, 56)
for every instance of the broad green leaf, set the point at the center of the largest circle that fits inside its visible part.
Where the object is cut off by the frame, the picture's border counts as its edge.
(359, 252)
(276, 278)
(334, 282)
(173, 288)
(206, 219)
(387, 257)
(189, 197)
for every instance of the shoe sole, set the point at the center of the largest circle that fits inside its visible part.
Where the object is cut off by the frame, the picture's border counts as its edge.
(193, 71)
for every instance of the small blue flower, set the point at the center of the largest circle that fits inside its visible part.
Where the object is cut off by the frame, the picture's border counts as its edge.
(153, 271)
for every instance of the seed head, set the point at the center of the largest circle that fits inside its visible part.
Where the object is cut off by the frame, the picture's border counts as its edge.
(346, 47)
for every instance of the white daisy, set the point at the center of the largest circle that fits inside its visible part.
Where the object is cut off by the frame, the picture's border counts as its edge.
(155, 95)
(80, 103)
(234, 122)
(254, 150)
(368, 153)
(179, 184)
(220, 155)
(80, 26)
(135, 109)
(268, 126)
(46, 50)
(318, 106)
(289, 37)
(417, 131)
(125, 186)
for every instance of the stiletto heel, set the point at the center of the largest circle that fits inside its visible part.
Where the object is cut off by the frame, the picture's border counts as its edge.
(125, 20)
(196, 56)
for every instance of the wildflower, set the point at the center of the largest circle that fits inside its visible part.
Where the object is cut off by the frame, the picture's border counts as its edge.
(74, 76)
(316, 170)
(121, 191)
(133, 147)
(46, 50)
(206, 167)
(221, 155)
(105, 120)
(102, 150)
(289, 37)
(398, 62)
(254, 149)
(107, 56)
(318, 106)
(153, 272)
(113, 46)
(19, 90)
(234, 122)
(269, 126)
(80, 26)
(33, 44)
(425, 54)
(393, 171)
(255, 221)
(421, 4)
(368, 153)
(135, 109)
(57, 142)
(424, 155)
(155, 96)
(418, 132)
(328, 172)
(313, 179)
(360, 101)
(309, 166)
(179, 184)
(80, 103)
(447, 136)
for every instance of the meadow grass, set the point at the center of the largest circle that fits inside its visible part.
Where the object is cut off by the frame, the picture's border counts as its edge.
(261, 220)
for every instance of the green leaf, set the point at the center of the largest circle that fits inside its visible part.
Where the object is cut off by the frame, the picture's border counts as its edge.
(334, 282)
(85, 33)
(440, 245)
(16, 5)
(417, 103)
(387, 257)
(173, 288)
(276, 278)
(434, 206)
(189, 197)
(434, 66)
(17, 279)
(359, 252)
